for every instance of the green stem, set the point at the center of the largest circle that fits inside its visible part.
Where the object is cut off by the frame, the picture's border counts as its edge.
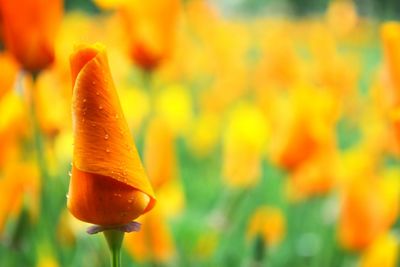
(259, 250)
(38, 138)
(47, 229)
(114, 240)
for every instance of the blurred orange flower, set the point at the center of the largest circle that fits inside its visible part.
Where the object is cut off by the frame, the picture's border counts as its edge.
(108, 185)
(316, 176)
(29, 31)
(269, 222)
(154, 242)
(390, 35)
(150, 27)
(20, 183)
(8, 73)
(159, 153)
(301, 127)
(369, 208)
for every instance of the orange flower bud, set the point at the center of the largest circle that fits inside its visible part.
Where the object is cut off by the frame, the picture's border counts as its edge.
(108, 184)
(29, 30)
(150, 26)
(159, 153)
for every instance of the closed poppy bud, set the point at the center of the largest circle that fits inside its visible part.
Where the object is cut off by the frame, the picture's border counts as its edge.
(29, 30)
(108, 183)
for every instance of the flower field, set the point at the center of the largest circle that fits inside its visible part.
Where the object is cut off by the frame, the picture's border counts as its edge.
(229, 136)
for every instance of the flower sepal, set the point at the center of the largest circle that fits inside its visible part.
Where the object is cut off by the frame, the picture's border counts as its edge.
(126, 228)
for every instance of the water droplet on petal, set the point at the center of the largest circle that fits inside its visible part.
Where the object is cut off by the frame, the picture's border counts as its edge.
(106, 137)
(108, 150)
(97, 93)
(69, 174)
(84, 100)
(94, 82)
(100, 107)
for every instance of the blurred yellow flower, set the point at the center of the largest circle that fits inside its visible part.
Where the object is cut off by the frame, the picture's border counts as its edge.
(342, 16)
(136, 106)
(244, 141)
(20, 185)
(204, 134)
(13, 126)
(173, 104)
(279, 65)
(269, 222)
(47, 260)
(52, 118)
(383, 252)
(8, 75)
(171, 198)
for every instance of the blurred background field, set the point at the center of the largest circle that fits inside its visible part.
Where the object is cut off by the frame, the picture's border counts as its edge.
(270, 131)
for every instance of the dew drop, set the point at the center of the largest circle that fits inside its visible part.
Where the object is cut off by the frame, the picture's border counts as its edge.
(67, 196)
(97, 93)
(106, 137)
(100, 107)
(69, 174)
(94, 82)
(108, 150)
(129, 200)
(84, 100)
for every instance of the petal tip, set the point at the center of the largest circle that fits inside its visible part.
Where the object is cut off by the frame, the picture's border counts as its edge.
(82, 54)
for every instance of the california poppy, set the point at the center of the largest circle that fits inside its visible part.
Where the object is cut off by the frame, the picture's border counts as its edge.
(159, 157)
(108, 184)
(29, 31)
(243, 143)
(150, 27)
(390, 35)
(154, 241)
(369, 208)
(269, 222)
